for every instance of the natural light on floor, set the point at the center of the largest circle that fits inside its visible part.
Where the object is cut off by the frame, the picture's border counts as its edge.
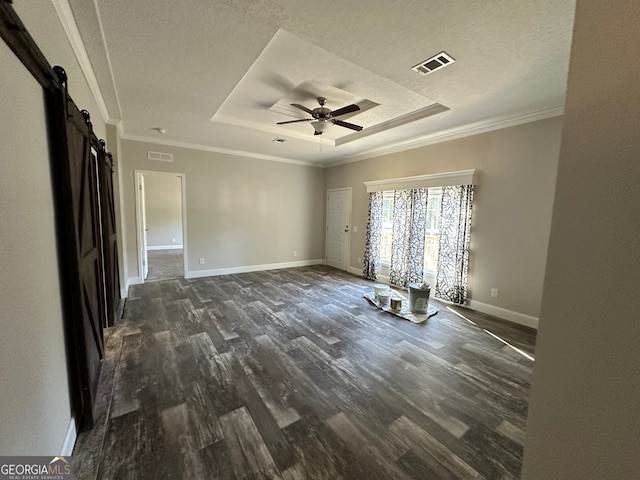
(524, 354)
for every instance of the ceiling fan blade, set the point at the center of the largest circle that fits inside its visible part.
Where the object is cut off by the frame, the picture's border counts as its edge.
(302, 107)
(344, 110)
(346, 124)
(295, 121)
(316, 132)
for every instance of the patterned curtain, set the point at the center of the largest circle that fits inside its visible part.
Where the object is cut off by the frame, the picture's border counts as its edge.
(453, 260)
(409, 226)
(374, 237)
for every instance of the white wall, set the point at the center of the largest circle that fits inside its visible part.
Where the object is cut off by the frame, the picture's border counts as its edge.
(584, 416)
(163, 205)
(34, 398)
(516, 171)
(240, 212)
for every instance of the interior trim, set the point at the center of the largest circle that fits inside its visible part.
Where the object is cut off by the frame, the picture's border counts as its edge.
(63, 9)
(502, 313)
(225, 151)
(173, 246)
(69, 440)
(461, 177)
(467, 130)
(510, 315)
(251, 268)
(139, 174)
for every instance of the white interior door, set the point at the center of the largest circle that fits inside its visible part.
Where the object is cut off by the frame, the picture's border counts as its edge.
(338, 227)
(143, 233)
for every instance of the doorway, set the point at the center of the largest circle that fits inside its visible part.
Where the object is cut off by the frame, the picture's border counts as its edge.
(160, 202)
(338, 239)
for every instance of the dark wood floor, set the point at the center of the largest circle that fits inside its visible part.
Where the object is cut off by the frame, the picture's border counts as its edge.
(292, 374)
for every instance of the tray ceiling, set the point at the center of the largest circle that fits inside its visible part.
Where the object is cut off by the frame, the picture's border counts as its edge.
(219, 74)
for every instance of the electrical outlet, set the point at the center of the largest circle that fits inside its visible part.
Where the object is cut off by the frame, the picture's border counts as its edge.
(495, 293)
(201, 260)
(173, 240)
(295, 253)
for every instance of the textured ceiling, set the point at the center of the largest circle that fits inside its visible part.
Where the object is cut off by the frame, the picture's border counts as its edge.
(219, 73)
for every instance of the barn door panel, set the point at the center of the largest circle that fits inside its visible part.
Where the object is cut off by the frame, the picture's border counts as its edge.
(84, 189)
(109, 237)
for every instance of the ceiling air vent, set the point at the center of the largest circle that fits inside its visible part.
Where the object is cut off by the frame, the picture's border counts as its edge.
(434, 63)
(162, 157)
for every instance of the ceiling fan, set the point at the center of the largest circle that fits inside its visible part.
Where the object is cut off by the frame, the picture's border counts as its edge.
(323, 117)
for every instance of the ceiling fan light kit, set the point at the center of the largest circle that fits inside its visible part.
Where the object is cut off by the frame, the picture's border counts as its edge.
(320, 126)
(322, 117)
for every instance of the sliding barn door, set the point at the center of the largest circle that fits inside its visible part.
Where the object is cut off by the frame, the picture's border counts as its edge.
(85, 232)
(84, 193)
(109, 239)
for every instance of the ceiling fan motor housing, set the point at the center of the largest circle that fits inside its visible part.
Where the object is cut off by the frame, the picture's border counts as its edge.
(321, 113)
(323, 116)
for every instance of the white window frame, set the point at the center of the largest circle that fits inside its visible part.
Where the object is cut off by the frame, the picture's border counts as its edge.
(460, 177)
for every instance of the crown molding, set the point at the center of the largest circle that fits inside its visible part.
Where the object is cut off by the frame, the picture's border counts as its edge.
(439, 137)
(454, 133)
(445, 179)
(226, 151)
(106, 52)
(68, 21)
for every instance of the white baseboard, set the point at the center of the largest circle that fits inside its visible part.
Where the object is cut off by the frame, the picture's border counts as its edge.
(130, 281)
(251, 268)
(69, 439)
(164, 247)
(355, 271)
(510, 315)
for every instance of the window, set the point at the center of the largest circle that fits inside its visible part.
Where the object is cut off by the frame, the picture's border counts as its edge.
(387, 226)
(432, 236)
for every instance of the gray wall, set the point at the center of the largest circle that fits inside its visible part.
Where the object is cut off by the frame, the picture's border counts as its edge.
(584, 420)
(516, 172)
(34, 398)
(163, 206)
(34, 402)
(44, 26)
(240, 212)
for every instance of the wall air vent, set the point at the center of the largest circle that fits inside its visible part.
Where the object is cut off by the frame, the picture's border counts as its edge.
(434, 63)
(161, 157)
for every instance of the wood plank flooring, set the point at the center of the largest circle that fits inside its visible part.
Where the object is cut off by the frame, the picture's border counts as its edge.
(292, 374)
